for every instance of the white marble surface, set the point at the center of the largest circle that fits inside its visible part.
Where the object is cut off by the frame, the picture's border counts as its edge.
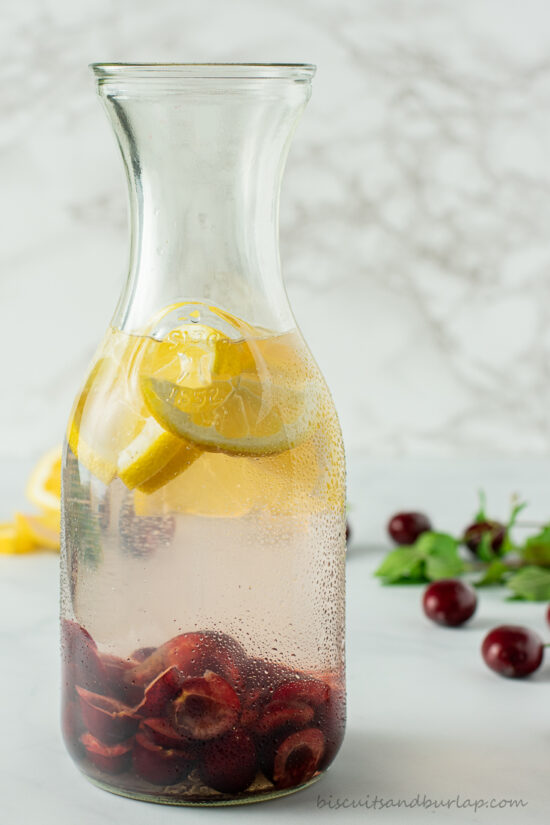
(425, 715)
(415, 210)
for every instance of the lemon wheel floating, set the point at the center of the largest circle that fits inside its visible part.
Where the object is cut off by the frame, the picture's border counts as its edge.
(247, 397)
(240, 416)
(154, 403)
(112, 432)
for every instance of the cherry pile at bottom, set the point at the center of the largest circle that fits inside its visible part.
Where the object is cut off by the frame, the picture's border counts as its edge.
(196, 718)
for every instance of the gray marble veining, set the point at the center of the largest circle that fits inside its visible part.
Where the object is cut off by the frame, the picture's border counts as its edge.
(414, 221)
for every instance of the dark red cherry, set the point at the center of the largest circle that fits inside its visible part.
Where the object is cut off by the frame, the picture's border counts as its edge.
(512, 651)
(279, 714)
(548, 614)
(449, 602)
(474, 533)
(160, 732)
(405, 528)
(159, 765)
(297, 757)
(81, 658)
(312, 691)
(108, 758)
(107, 719)
(192, 654)
(228, 764)
(206, 707)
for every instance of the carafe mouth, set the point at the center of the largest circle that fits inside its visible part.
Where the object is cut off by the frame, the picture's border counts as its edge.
(297, 72)
(204, 145)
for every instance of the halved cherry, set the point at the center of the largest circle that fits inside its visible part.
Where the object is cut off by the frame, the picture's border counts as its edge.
(108, 758)
(106, 718)
(161, 766)
(297, 758)
(253, 703)
(279, 714)
(72, 726)
(161, 732)
(206, 707)
(224, 655)
(228, 764)
(161, 691)
(115, 669)
(311, 691)
(192, 654)
(82, 662)
(182, 651)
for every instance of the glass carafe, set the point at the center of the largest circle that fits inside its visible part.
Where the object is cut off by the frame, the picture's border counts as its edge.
(203, 516)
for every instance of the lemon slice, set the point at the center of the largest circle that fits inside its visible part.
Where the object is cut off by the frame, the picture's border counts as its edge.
(241, 397)
(111, 431)
(100, 463)
(186, 455)
(7, 538)
(44, 484)
(36, 532)
(186, 355)
(241, 416)
(153, 453)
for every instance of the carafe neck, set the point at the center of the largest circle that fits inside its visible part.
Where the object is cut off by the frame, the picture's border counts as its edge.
(204, 149)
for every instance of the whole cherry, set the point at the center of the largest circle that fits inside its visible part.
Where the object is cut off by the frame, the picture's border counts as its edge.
(405, 528)
(512, 651)
(474, 534)
(449, 602)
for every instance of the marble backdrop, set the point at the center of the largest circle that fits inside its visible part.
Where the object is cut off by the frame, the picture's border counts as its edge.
(415, 217)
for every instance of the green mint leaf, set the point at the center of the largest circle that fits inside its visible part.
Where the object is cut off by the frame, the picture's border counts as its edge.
(485, 549)
(537, 548)
(402, 565)
(537, 554)
(508, 545)
(540, 538)
(441, 567)
(432, 556)
(436, 543)
(494, 574)
(531, 584)
(440, 554)
(481, 514)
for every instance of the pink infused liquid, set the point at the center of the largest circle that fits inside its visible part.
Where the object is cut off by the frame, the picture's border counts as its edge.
(203, 621)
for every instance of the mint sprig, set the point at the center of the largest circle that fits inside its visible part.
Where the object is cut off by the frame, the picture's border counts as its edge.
(530, 584)
(536, 549)
(495, 574)
(432, 556)
(485, 550)
(517, 507)
(523, 568)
